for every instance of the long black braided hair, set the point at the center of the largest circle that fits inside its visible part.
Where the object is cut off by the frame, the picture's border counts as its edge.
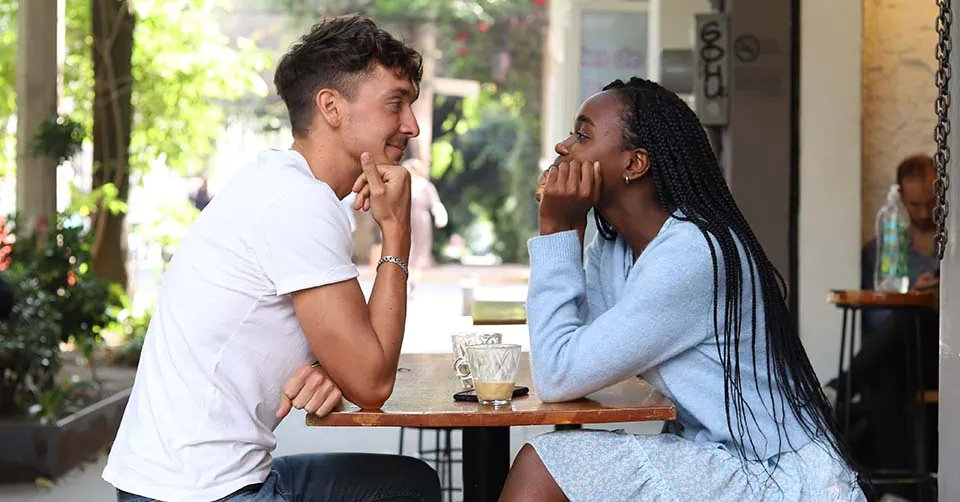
(688, 178)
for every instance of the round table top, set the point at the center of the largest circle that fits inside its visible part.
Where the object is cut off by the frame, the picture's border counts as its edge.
(856, 298)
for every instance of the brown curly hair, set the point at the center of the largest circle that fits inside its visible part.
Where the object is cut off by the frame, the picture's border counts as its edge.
(337, 53)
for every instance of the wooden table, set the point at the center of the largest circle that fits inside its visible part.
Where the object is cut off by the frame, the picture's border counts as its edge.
(881, 299)
(852, 302)
(423, 397)
(494, 312)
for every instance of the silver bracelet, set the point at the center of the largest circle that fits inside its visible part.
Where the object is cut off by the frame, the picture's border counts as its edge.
(396, 261)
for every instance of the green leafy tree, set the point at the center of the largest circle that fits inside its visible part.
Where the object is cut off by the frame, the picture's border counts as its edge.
(8, 100)
(153, 82)
(181, 73)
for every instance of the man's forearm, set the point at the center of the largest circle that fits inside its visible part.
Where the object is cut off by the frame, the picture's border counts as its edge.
(388, 300)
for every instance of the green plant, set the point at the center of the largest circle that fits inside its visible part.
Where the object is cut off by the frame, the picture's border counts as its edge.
(29, 342)
(58, 258)
(53, 403)
(58, 137)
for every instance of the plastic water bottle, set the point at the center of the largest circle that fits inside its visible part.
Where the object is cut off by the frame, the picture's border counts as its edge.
(893, 242)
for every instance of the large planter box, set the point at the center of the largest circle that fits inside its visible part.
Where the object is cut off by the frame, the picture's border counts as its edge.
(29, 450)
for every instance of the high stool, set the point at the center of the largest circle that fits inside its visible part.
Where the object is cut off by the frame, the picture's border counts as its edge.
(852, 303)
(443, 458)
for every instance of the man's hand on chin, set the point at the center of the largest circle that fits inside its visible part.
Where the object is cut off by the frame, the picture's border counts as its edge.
(311, 390)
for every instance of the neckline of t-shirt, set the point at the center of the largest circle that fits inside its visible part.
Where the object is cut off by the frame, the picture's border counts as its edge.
(303, 166)
(298, 159)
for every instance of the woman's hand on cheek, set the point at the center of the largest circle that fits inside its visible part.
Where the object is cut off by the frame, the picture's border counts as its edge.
(569, 191)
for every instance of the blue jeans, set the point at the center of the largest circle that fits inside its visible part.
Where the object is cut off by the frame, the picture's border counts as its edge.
(338, 477)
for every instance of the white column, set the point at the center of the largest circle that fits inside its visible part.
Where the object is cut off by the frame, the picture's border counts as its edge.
(36, 87)
(829, 239)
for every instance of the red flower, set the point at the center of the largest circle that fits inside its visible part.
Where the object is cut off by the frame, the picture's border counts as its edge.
(540, 3)
(483, 27)
(462, 37)
(462, 51)
(71, 279)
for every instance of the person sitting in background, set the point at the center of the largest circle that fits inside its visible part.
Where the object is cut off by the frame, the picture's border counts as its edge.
(915, 176)
(878, 372)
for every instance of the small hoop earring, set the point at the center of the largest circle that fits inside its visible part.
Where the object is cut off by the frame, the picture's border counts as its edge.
(626, 180)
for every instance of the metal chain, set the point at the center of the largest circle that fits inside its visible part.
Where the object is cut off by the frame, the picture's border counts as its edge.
(942, 131)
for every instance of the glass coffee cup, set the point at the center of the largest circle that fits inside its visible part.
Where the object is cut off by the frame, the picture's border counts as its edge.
(494, 370)
(461, 367)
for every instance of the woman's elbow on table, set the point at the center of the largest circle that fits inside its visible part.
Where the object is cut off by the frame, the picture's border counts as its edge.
(548, 395)
(554, 390)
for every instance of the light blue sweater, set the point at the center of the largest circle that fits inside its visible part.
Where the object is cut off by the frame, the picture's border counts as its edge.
(594, 326)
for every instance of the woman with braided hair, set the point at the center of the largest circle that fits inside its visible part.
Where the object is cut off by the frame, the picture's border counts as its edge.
(677, 289)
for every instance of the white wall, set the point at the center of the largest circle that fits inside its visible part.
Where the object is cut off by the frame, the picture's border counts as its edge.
(899, 62)
(677, 22)
(830, 142)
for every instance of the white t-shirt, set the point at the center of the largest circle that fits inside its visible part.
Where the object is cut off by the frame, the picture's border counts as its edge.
(224, 337)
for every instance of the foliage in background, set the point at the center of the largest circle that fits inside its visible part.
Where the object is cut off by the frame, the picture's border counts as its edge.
(58, 258)
(444, 11)
(8, 100)
(56, 401)
(134, 333)
(482, 166)
(184, 74)
(29, 342)
(8, 55)
(57, 299)
(59, 137)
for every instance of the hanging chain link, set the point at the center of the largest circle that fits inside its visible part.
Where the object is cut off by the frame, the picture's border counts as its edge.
(942, 131)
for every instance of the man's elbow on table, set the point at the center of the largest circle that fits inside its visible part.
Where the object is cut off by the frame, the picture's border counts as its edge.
(337, 324)
(373, 397)
(365, 385)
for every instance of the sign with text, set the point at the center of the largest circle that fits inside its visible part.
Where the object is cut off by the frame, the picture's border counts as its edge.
(613, 46)
(712, 79)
